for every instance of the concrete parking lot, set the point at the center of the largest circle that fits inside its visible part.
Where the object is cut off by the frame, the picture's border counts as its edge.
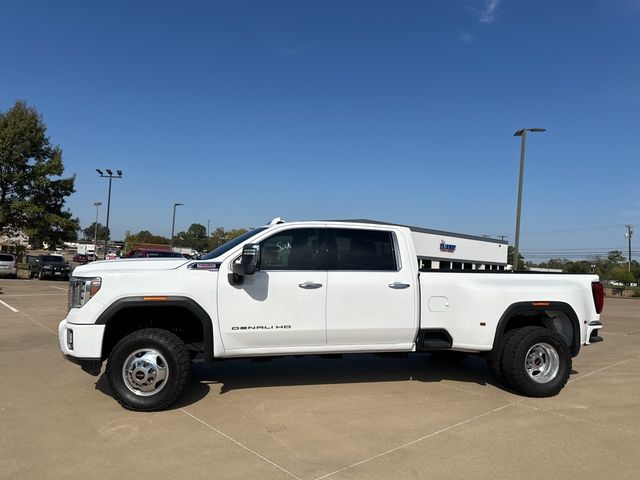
(358, 417)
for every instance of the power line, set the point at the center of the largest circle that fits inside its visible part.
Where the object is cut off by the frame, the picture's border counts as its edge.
(577, 249)
(582, 229)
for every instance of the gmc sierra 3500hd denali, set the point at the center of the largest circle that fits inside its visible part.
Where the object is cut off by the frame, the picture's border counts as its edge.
(319, 288)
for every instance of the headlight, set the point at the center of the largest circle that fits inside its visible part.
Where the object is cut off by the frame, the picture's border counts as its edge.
(81, 289)
(47, 267)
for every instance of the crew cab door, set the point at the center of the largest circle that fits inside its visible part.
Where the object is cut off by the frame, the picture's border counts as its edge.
(371, 299)
(281, 305)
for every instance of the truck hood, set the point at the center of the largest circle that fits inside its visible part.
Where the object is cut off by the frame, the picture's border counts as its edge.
(128, 265)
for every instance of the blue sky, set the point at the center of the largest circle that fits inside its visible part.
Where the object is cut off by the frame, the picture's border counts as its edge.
(397, 111)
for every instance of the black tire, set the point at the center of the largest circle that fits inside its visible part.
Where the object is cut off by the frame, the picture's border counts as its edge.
(536, 361)
(169, 353)
(494, 362)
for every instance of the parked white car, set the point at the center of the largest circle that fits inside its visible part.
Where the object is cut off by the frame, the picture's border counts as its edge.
(8, 265)
(323, 288)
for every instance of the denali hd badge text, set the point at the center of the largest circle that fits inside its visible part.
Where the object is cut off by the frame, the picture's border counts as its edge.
(263, 327)
(447, 247)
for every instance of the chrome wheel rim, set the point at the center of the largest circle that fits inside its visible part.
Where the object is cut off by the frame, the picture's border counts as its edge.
(542, 363)
(145, 372)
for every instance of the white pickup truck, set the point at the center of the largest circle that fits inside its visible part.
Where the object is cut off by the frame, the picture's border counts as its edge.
(320, 288)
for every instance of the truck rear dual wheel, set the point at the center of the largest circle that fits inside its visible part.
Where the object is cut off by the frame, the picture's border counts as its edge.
(148, 369)
(536, 361)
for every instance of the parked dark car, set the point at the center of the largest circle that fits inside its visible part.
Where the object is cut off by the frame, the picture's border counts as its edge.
(49, 266)
(151, 253)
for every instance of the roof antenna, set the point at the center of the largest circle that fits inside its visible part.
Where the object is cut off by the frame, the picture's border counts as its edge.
(276, 221)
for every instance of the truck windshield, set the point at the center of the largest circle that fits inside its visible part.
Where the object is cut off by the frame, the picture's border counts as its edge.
(222, 249)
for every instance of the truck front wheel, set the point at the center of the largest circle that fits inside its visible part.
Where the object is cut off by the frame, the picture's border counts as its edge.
(148, 369)
(536, 361)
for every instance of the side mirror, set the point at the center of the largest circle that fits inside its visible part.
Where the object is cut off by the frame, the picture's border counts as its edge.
(248, 264)
(249, 261)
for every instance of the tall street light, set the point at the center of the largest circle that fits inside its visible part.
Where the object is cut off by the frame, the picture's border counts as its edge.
(173, 223)
(523, 134)
(95, 234)
(110, 176)
(628, 235)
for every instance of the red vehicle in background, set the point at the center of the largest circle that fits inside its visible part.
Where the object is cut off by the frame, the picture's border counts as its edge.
(81, 258)
(152, 253)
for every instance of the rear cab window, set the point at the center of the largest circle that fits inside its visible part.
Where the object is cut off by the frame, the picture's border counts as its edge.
(354, 249)
(329, 249)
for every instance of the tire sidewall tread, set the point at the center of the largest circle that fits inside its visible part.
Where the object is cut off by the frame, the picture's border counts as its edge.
(513, 357)
(495, 365)
(178, 359)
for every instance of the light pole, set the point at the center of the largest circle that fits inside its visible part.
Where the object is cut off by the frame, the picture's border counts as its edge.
(628, 235)
(95, 234)
(173, 223)
(521, 133)
(110, 176)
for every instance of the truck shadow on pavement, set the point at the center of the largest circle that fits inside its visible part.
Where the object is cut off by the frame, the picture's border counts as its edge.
(348, 369)
(237, 374)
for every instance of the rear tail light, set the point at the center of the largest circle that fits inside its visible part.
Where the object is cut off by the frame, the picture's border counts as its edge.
(598, 296)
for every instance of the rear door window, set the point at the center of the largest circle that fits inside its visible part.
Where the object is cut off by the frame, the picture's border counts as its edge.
(352, 249)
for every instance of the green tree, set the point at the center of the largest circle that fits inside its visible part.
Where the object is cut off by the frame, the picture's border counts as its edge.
(582, 266)
(220, 236)
(626, 277)
(143, 236)
(616, 256)
(32, 196)
(103, 232)
(195, 237)
(521, 264)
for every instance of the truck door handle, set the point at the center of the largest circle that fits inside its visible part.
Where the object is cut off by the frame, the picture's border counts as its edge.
(309, 285)
(399, 285)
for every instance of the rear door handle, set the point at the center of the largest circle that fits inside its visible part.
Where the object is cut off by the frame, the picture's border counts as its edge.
(399, 285)
(309, 285)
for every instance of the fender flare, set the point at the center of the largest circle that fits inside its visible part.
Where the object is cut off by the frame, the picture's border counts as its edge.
(178, 301)
(529, 307)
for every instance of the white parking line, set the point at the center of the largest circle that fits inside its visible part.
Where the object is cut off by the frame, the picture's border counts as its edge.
(433, 434)
(58, 288)
(38, 323)
(239, 444)
(10, 307)
(35, 295)
(600, 370)
(579, 419)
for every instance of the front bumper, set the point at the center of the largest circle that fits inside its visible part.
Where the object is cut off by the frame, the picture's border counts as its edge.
(90, 365)
(83, 346)
(56, 274)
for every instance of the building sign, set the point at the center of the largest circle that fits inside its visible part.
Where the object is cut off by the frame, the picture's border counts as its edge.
(447, 247)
